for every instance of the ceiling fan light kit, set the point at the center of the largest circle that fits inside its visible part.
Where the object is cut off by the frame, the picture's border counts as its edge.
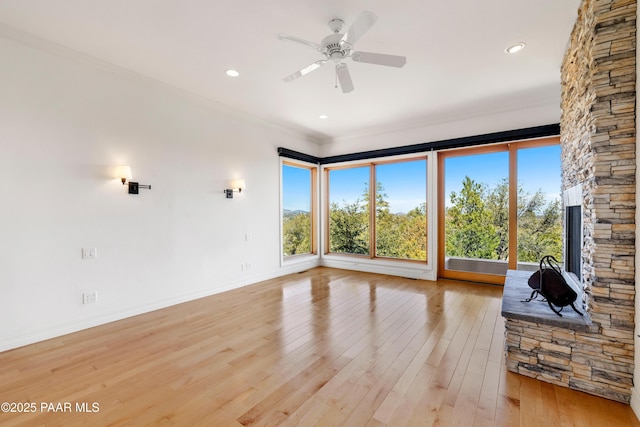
(337, 47)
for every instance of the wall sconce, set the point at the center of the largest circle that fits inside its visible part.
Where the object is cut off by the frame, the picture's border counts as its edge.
(124, 173)
(235, 185)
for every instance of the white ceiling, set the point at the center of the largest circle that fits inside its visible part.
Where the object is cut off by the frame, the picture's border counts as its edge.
(456, 64)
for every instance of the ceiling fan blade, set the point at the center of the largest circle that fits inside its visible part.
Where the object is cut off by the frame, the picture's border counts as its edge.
(344, 77)
(360, 26)
(379, 59)
(289, 38)
(306, 70)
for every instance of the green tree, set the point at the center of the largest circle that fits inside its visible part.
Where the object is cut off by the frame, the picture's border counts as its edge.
(387, 226)
(498, 204)
(469, 224)
(296, 232)
(398, 235)
(539, 228)
(413, 236)
(539, 223)
(349, 227)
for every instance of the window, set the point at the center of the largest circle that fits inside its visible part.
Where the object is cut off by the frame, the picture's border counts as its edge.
(349, 210)
(298, 209)
(476, 211)
(539, 205)
(401, 210)
(387, 219)
(499, 209)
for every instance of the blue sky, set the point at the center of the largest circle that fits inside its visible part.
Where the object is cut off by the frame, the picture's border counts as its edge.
(404, 184)
(349, 184)
(538, 169)
(296, 188)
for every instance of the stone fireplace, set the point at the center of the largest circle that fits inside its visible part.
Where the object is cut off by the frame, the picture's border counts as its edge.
(598, 139)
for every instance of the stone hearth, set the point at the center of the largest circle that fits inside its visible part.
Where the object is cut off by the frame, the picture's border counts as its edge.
(515, 306)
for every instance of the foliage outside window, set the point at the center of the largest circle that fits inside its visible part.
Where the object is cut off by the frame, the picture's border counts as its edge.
(386, 220)
(477, 223)
(539, 213)
(298, 212)
(499, 203)
(349, 210)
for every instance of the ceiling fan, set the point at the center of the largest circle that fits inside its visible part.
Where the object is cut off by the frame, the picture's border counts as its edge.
(337, 47)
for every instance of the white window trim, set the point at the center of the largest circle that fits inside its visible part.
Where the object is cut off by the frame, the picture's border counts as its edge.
(426, 271)
(297, 260)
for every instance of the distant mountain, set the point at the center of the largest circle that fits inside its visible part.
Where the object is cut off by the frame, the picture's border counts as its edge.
(288, 213)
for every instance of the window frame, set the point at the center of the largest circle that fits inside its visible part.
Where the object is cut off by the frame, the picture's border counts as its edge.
(371, 164)
(313, 169)
(512, 148)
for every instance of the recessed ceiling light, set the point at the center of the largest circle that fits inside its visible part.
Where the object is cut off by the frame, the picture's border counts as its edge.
(517, 47)
(323, 116)
(232, 73)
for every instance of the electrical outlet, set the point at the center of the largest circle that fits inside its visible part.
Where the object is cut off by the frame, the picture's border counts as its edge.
(90, 297)
(89, 253)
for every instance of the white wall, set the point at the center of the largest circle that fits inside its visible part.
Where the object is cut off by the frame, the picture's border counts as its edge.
(65, 122)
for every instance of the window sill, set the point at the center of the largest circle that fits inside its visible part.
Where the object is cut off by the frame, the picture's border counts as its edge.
(401, 268)
(299, 259)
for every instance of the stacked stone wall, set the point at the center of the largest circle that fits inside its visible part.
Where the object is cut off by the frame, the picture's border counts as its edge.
(587, 361)
(598, 139)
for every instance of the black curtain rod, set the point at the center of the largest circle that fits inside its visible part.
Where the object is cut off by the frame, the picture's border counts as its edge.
(468, 141)
(296, 155)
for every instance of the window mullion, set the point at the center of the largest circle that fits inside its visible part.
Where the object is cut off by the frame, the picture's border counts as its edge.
(314, 211)
(372, 211)
(513, 207)
(327, 212)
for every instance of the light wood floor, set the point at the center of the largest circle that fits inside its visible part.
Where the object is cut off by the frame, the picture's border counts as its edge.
(325, 347)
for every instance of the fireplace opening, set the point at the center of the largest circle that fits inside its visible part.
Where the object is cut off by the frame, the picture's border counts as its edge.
(573, 247)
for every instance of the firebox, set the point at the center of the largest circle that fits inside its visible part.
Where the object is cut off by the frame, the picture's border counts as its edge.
(573, 239)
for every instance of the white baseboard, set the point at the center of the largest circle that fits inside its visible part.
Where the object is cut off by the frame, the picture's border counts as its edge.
(67, 328)
(410, 270)
(635, 401)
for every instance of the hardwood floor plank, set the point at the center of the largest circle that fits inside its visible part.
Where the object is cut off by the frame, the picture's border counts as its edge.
(508, 405)
(323, 347)
(417, 404)
(550, 405)
(375, 365)
(399, 355)
(487, 404)
(460, 357)
(531, 404)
